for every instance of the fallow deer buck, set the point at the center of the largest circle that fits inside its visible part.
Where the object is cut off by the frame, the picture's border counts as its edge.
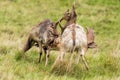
(74, 38)
(43, 36)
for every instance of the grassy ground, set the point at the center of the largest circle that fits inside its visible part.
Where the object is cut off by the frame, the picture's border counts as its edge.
(17, 17)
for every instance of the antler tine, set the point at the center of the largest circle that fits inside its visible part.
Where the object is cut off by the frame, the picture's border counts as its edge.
(58, 22)
(73, 6)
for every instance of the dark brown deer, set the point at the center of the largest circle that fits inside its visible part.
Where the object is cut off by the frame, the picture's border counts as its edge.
(43, 36)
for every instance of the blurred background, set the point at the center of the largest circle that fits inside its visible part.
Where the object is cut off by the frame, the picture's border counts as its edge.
(18, 17)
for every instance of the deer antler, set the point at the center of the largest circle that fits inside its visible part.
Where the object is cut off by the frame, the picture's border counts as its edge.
(58, 22)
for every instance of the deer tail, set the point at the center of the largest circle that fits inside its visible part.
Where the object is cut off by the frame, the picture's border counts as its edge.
(73, 37)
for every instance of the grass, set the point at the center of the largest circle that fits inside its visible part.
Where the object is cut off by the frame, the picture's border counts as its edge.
(17, 17)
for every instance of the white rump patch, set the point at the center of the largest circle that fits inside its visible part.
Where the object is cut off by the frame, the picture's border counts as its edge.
(80, 37)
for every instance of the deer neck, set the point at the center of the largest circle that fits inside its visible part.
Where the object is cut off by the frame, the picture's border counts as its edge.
(69, 22)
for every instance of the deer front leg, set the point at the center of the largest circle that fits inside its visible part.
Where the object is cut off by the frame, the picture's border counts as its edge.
(40, 54)
(57, 59)
(83, 58)
(62, 54)
(77, 56)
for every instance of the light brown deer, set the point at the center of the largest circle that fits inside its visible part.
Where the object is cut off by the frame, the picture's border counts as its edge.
(74, 38)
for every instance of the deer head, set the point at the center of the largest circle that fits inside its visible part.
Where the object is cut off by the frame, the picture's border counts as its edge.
(91, 38)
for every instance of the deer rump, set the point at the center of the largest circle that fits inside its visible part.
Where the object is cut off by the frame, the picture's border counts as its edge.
(74, 36)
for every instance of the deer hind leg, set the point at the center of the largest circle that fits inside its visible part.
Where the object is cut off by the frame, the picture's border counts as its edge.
(71, 56)
(77, 56)
(83, 58)
(47, 56)
(40, 54)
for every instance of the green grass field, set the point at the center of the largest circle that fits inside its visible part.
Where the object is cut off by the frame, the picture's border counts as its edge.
(17, 17)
